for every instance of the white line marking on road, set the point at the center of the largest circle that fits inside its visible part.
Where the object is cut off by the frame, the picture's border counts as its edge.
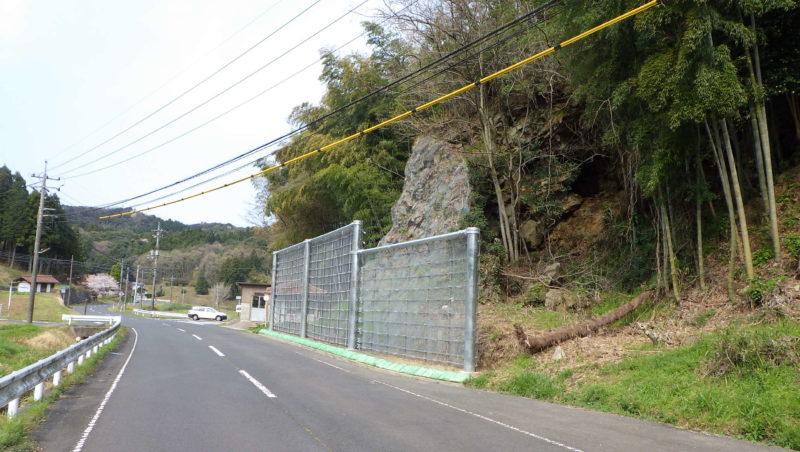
(480, 416)
(329, 364)
(216, 351)
(181, 330)
(165, 324)
(197, 337)
(258, 385)
(93, 422)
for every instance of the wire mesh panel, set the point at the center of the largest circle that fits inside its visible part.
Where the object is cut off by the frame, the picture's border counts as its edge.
(329, 286)
(412, 299)
(287, 292)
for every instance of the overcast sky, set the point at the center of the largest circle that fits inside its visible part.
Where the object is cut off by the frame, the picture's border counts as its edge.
(70, 68)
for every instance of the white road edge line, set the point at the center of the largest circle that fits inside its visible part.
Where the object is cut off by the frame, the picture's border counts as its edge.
(258, 385)
(216, 351)
(329, 364)
(197, 337)
(93, 422)
(480, 416)
(181, 330)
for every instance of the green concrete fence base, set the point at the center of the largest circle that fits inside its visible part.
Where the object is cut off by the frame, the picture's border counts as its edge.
(419, 371)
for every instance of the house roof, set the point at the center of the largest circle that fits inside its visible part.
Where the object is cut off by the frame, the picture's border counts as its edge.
(251, 284)
(46, 279)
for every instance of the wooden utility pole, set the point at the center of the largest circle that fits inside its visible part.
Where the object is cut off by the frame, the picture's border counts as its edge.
(155, 267)
(37, 240)
(69, 281)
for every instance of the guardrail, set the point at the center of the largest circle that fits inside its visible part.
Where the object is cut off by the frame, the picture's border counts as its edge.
(159, 313)
(14, 385)
(110, 319)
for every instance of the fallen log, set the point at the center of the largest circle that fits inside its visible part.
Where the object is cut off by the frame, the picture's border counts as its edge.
(534, 344)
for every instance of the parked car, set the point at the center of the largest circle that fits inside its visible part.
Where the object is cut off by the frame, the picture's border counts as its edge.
(204, 312)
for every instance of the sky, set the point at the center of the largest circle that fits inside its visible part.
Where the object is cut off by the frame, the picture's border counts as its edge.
(75, 75)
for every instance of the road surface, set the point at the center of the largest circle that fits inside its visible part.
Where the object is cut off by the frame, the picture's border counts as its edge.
(177, 385)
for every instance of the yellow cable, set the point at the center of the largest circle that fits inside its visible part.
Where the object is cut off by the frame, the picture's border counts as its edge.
(401, 116)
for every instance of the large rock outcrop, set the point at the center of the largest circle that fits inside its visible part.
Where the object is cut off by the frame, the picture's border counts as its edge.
(435, 195)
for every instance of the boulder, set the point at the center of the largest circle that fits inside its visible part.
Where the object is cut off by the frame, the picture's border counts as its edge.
(436, 192)
(532, 233)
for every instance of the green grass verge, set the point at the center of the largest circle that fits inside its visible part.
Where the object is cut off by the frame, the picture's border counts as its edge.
(14, 355)
(742, 381)
(46, 307)
(16, 435)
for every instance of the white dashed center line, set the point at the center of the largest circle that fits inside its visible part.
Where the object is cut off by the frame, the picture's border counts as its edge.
(181, 330)
(258, 385)
(197, 337)
(216, 351)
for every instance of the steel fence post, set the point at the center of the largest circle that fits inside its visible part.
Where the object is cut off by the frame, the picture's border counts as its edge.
(473, 252)
(352, 315)
(306, 271)
(274, 290)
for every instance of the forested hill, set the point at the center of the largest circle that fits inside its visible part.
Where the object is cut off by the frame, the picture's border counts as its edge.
(115, 238)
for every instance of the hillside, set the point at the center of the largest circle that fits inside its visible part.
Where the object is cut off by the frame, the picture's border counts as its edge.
(112, 239)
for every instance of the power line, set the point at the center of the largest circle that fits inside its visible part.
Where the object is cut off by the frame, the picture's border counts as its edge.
(205, 102)
(408, 113)
(403, 79)
(223, 67)
(170, 79)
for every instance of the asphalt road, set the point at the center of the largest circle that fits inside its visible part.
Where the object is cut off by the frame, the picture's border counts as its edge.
(179, 385)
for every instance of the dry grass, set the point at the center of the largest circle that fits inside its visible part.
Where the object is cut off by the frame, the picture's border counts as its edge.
(50, 339)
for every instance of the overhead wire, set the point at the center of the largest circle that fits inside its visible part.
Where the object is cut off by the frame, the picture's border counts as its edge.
(405, 78)
(202, 104)
(172, 78)
(415, 110)
(193, 87)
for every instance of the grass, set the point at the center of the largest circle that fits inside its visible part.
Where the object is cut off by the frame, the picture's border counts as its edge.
(17, 435)
(741, 381)
(24, 344)
(46, 308)
(8, 274)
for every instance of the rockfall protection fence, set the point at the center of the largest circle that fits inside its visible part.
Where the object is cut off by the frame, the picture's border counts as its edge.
(14, 385)
(415, 299)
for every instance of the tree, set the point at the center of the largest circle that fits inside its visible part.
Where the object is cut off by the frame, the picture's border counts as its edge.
(220, 292)
(102, 284)
(358, 181)
(115, 271)
(201, 285)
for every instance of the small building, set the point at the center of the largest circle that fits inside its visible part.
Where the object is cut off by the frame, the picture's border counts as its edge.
(44, 283)
(255, 301)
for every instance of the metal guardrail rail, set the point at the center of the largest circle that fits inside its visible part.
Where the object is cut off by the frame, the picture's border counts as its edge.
(159, 313)
(14, 385)
(110, 319)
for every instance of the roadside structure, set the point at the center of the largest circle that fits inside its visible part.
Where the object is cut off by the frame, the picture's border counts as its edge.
(44, 283)
(255, 301)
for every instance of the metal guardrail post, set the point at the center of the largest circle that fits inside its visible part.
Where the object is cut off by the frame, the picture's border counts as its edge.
(273, 297)
(306, 271)
(470, 311)
(352, 315)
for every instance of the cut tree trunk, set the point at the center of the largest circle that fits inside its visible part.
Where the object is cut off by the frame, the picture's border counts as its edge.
(535, 344)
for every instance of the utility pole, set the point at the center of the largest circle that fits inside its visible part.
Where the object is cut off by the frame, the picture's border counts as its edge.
(120, 291)
(155, 267)
(69, 281)
(125, 290)
(171, 286)
(37, 240)
(136, 288)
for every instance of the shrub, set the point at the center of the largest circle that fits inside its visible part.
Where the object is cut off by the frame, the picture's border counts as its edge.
(743, 353)
(759, 289)
(762, 255)
(792, 243)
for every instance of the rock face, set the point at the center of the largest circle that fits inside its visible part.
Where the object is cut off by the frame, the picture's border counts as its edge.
(435, 195)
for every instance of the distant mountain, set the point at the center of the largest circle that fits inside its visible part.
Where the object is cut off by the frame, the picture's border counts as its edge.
(125, 237)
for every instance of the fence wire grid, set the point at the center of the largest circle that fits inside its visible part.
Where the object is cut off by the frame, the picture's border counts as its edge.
(329, 286)
(414, 299)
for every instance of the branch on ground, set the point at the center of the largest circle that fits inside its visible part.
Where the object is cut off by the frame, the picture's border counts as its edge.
(534, 344)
